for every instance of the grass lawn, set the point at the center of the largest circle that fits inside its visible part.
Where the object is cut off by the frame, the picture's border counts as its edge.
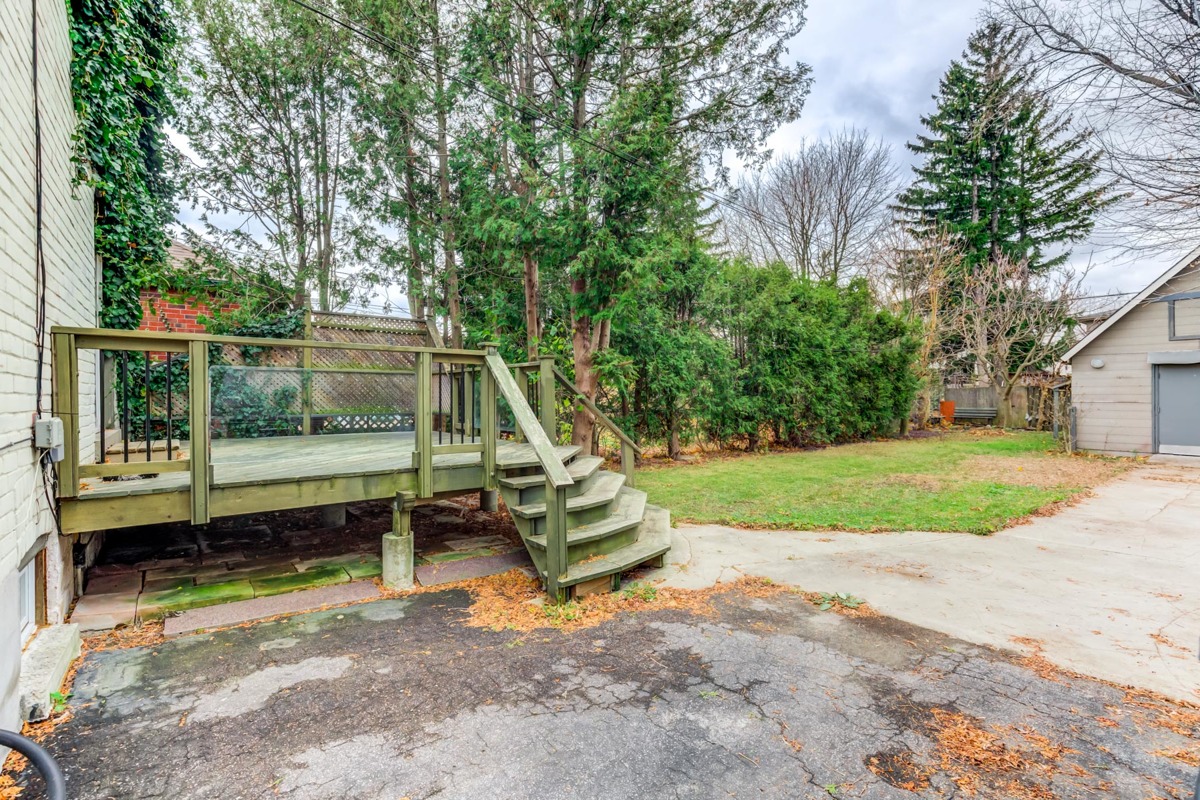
(962, 481)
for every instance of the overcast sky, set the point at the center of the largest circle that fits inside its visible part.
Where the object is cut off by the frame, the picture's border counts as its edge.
(876, 65)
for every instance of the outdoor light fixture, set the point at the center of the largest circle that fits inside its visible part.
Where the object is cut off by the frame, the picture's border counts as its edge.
(1097, 363)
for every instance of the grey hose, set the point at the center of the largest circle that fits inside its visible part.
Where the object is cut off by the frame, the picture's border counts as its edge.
(43, 762)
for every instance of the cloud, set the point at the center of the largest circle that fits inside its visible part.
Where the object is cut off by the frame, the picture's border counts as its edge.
(876, 65)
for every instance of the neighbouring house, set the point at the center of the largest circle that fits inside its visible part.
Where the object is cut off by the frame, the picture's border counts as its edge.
(167, 311)
(36, 564)
(1136, 375)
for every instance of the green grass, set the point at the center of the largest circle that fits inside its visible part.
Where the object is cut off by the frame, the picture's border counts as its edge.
(929, 484)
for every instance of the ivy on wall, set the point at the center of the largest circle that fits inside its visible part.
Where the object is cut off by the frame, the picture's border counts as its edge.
(123, 79)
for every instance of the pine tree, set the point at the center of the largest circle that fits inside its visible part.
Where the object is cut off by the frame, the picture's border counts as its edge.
(1000, 173)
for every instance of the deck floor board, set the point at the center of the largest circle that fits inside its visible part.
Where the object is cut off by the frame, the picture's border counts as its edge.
(286, 459)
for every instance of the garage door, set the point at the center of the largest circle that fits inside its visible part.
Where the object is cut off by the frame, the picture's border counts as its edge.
(1179, 409)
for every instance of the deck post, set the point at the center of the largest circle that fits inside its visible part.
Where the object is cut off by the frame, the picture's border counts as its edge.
(199, 452)
(306, 363)
(398, 544)
(424, 424)
(64, 404)
(628, 459)
(546, 404)
(488, 428)
(556, 540)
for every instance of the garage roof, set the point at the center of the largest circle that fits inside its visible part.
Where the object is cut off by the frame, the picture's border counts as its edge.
(1137, 300)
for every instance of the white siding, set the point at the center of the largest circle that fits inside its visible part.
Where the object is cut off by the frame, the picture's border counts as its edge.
(71, 300)
(1114, 412)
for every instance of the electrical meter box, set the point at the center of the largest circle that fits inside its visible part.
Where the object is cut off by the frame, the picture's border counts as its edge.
(48, 435)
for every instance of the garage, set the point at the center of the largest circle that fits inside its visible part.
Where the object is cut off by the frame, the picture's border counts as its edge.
(1135, 376)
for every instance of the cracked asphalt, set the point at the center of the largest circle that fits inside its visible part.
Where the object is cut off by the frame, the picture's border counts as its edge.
(767, 698)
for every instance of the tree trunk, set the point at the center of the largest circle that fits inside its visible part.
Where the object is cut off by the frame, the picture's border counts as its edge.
(448, 254)
(584, 340)
(1004, 404)
(416, 274)
(583, 349)
(533, 322)
(673, 442)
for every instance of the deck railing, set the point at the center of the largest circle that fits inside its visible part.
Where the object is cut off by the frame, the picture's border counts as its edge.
(156, 417)
(164, 397)
(134, 457)
(629, 448)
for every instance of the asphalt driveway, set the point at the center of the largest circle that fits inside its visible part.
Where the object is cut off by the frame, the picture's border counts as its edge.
(1109, 587)
(766, 697)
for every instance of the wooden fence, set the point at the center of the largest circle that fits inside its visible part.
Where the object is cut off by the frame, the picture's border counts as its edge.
(1032, 405)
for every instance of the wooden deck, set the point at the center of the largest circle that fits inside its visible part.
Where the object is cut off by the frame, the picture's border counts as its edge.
(259, 475)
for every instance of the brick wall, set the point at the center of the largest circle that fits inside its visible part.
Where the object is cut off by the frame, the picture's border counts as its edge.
(71, 300)
(175, 313)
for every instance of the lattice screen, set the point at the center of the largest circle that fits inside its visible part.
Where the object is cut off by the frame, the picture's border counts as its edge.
(275, 392)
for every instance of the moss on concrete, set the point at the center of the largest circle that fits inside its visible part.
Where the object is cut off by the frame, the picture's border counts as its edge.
(318, 576)
(156, 604)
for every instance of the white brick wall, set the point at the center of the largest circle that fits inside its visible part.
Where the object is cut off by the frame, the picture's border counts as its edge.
(71, 300)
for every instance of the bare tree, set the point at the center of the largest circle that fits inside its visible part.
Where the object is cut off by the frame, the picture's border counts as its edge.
(268, 116)
(1132, 69)
(820, 209)
(1010, 321)
(909, 275)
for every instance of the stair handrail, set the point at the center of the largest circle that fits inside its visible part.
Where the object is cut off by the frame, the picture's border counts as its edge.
(557, 477)
(552, 465)
(600, 416)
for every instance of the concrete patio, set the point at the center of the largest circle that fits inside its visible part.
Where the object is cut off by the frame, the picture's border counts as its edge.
(1107, 587)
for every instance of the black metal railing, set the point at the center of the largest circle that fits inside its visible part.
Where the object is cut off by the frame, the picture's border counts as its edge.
(139, 392)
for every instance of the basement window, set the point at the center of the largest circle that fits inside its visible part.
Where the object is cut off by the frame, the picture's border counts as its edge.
(27, 600)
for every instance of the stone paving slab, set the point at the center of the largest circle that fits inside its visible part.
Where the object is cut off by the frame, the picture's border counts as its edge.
(251, 573)
(341, 560)
(461, 555)
(96, 612)
(185, 571)
(111, 569)
(364, 568)
(116, 583)
(169, 584)
(477, 542)
(450, 571)
(262, 607)
(167, 563)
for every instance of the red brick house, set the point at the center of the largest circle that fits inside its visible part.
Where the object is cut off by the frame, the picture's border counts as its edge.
(178, 313)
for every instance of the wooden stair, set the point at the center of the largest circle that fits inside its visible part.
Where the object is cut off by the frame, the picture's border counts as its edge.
(610, 527)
